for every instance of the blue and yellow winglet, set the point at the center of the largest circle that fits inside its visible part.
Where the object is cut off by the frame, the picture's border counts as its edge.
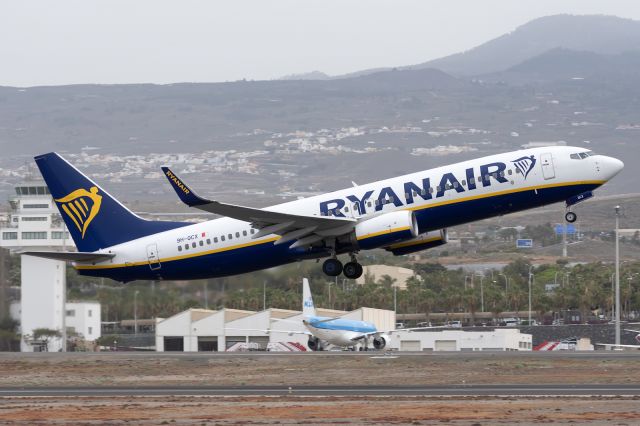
(185, 193)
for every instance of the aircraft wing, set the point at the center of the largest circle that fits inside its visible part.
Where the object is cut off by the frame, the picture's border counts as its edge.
(268, 331)
(71, 256)
(302, 229)
(378, 332)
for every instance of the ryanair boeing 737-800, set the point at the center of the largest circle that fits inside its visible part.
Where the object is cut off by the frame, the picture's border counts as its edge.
(403, 215)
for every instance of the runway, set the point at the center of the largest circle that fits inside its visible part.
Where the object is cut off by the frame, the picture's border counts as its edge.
(452, 390)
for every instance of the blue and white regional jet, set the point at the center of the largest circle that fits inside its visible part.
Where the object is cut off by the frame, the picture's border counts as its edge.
(339, 332)
(403, 215)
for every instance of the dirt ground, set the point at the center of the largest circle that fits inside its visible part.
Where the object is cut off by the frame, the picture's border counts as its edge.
(185, 370)
(319, 410)
(122, 369)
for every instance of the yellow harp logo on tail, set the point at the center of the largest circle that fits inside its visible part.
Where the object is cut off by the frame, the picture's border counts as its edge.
(81, 206)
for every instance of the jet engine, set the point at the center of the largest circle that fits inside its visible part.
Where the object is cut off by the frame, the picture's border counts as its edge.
(314, 344)
(380, 342)
(386, 229)
(423, 241)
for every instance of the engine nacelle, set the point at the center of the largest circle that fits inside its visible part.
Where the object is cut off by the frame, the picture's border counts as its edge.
(423, 241)
(314, 344)
(380, 342)
(386, 229)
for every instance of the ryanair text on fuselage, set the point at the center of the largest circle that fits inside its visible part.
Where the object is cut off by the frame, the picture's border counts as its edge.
(447, 182)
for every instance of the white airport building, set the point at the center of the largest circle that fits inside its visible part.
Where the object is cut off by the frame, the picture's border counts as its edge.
(498, 339)
(34, 223)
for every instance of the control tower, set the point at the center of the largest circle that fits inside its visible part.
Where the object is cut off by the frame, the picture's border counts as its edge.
(34, 223)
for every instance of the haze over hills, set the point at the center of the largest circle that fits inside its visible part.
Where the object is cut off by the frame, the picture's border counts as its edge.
(608, 35)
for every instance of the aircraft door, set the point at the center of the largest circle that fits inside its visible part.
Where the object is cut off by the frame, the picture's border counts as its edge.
(548, 171)
(152, 256)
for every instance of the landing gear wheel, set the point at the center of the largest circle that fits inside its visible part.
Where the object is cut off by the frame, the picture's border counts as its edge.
(352, 270)
(332, 267)
(570, 217)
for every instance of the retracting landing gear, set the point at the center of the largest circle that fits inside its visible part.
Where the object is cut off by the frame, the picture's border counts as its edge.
(353, 270)
(570, 217)
(332, 267)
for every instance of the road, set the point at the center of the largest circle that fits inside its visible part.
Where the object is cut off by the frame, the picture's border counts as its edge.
(451, 390)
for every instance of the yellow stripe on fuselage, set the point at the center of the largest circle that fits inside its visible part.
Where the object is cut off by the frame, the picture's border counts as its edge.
(441, 203)
(507, 191)
(181, 257)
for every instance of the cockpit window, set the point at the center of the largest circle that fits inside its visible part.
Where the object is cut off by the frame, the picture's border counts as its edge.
(581, 155)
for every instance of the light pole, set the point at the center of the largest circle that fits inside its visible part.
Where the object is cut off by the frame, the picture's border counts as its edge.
(617, 276)
(135, 312)
(206, 297)
(395, 306)
(530, 278)
(506, 288)
(481, 293)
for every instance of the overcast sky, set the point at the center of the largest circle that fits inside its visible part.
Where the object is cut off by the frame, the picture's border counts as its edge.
(157, 41)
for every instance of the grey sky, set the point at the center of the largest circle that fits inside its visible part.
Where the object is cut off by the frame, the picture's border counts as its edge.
(131, 41)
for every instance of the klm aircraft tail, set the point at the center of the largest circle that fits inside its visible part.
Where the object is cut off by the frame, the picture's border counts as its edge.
(307, 300)
(94, 218)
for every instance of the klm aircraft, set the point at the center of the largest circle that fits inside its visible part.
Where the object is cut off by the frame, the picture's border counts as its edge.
(403, 215)
(339, 332)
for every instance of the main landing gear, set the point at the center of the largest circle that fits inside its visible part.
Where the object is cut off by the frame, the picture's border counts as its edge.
(333, 267)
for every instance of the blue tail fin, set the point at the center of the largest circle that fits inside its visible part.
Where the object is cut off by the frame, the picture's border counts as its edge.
(94, 218)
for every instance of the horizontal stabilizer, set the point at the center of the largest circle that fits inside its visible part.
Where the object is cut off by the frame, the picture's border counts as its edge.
(71, 256)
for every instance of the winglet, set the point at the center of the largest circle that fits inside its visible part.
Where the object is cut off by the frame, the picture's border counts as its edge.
(185, 193)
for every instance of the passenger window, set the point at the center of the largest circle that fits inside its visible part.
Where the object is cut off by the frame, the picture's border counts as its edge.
(390, 200)
(517, 171)
(424, 191)
(186, 246)
(369, 203)
(237, 235)
(501, 174)
(208, 241)
(346, 209)
(438, 188)
(253, 231)
(244, 233)
(377, 202)
(193, 245)
(222, 237)
(447, 186)
(464, 182)
(480, 178)
(430, 190)
(179, 248)
(510, 172)
(215, 239)
(456, 185)
(406, 194)
(230, 236)
(201, 243)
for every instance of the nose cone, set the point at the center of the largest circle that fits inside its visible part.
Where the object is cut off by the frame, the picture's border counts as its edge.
(609, 166)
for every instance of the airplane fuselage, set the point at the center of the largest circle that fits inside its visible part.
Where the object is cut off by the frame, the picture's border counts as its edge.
(441, 197)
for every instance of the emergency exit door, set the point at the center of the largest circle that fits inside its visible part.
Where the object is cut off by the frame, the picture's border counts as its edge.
(548, 171)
